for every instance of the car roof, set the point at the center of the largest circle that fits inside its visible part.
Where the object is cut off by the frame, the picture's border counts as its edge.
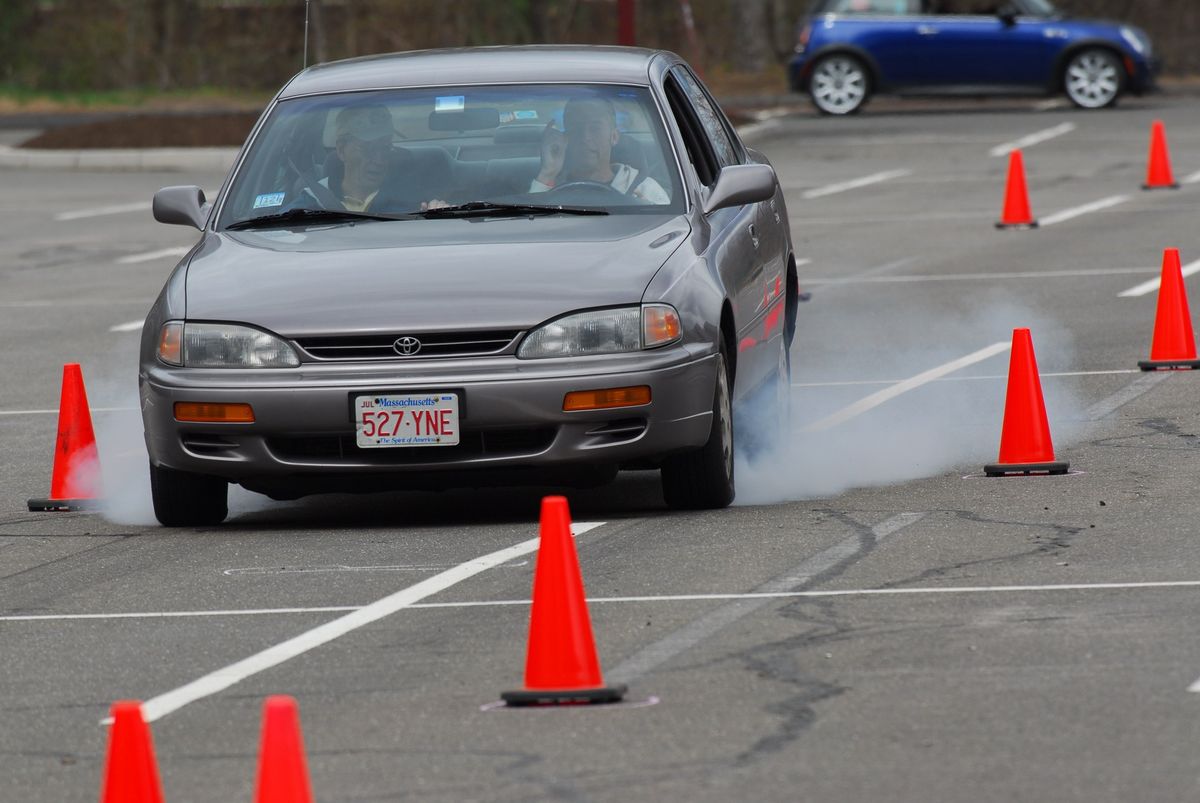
(464, 66)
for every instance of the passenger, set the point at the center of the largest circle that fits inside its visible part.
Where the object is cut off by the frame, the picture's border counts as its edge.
(363, 143)
(584, 153)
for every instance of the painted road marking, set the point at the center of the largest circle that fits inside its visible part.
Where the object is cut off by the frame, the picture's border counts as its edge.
(1125, 395)
(658, 653)
(1049, 105)
(221, 679)
(149, 256)
(1194, 178)
(1032, 139)
(854, 382)
(854, 184)
(100, 211)
(958, 277)
(131, 326)
(257, 571)
(1079, 211)
(55, 411)
(1151, 285)
(751, 595)
(887, 394)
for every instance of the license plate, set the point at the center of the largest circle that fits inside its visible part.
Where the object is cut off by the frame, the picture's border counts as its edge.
(409, 419)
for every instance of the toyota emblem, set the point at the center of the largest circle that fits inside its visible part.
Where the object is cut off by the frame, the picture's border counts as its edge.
(407, 346)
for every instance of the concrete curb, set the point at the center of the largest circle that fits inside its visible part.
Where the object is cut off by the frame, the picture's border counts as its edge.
(119, 160)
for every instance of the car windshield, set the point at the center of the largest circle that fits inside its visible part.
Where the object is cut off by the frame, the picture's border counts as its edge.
(402, 152)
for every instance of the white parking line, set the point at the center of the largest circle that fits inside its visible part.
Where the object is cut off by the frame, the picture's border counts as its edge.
(1151, 285)
(887, 394)
(854, 184)
(751, 595)
(152, 255)
(100, 211)
(741, 605)
(221, 679)
(131, 326)
(1077, 211)
(963, 277)
(1032, 139)
(55, 411)
(856, 382)
(1194, 178)
(1049, 105)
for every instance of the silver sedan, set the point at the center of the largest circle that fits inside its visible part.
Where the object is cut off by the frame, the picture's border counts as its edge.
(497, 266)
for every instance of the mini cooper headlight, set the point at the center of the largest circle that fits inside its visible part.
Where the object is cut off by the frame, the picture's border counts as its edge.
(608, 331)
(223, 345)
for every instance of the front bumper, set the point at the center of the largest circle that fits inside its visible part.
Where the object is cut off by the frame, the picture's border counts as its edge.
(511, 420)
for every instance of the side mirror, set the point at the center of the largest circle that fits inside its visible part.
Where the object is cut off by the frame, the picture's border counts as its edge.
(741, 184)
(1008, 14)
(184, 205)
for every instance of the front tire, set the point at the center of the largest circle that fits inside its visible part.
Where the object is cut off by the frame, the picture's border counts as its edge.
(182, 499)
(839, 84)
(703, 479)
(1093, 78)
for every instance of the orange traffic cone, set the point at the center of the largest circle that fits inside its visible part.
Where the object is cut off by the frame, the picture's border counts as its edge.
(560, 665)
(1025, 446)
(76, 478)
(130, 773)
(1158, 172)
(282, 769)
(1174, 345)
(1016, 214)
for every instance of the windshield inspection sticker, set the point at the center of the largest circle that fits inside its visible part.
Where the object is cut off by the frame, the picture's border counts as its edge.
(450, 103)
(268, 199)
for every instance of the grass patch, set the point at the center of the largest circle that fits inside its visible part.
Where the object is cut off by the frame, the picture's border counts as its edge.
(16, 99)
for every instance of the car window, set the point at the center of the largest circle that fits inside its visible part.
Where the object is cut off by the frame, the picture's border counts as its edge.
(396, 152)
(965, 7)
(896, 7)
(711, 118)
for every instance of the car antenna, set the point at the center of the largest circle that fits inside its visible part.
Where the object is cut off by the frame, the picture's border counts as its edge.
(306, 3)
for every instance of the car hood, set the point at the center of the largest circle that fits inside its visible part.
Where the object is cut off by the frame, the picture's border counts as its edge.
(427, 275)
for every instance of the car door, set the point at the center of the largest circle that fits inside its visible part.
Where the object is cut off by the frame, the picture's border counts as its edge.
(886, 30)
(738, 246)
(967, 43)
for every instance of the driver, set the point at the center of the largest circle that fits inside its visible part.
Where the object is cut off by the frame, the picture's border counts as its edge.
(584, 153)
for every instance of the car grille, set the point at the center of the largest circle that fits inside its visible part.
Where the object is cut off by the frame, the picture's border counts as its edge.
(472, 444)
(433, 345)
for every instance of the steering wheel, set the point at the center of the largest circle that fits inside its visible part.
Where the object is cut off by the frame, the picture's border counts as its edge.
(584, 184)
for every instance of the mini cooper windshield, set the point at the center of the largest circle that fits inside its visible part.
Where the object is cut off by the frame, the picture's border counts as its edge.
(506, 150)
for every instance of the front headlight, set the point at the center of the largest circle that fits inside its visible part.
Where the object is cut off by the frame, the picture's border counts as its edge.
(223, 345)
(608, 331)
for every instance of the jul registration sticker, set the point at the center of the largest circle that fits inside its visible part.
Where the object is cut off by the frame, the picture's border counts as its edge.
(409, 419)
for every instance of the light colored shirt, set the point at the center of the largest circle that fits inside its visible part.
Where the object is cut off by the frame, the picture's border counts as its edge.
(625, 177)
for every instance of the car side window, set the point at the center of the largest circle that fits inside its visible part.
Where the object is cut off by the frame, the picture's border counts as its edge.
(893, 7)
(710, 117)
(699, 150)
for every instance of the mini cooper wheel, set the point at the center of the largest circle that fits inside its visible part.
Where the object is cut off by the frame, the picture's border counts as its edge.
(182, 499)
(1093, 78)
(839, 84)
(703, 479)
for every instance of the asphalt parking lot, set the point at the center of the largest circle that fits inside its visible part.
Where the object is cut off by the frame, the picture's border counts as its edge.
(873, 620)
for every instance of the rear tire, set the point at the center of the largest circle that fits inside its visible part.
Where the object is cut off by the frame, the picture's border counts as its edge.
(182, 499)
(839, 84)
(703, 479)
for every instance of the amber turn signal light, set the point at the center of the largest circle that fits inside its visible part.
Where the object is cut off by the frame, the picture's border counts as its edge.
(214, 413)
(606, 399)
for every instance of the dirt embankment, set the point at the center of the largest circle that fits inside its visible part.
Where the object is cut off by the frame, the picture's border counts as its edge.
(209, 130)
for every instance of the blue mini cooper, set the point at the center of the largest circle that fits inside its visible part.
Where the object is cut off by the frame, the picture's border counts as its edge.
(849, 49)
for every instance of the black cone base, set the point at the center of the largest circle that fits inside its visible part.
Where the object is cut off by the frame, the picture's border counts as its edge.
(1030, 225)
(1169, 365)
(62, 505)
(531, 697)
(1004, 469)
(1160, 186)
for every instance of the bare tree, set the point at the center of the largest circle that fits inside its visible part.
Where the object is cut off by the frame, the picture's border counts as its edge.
(751, 35)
